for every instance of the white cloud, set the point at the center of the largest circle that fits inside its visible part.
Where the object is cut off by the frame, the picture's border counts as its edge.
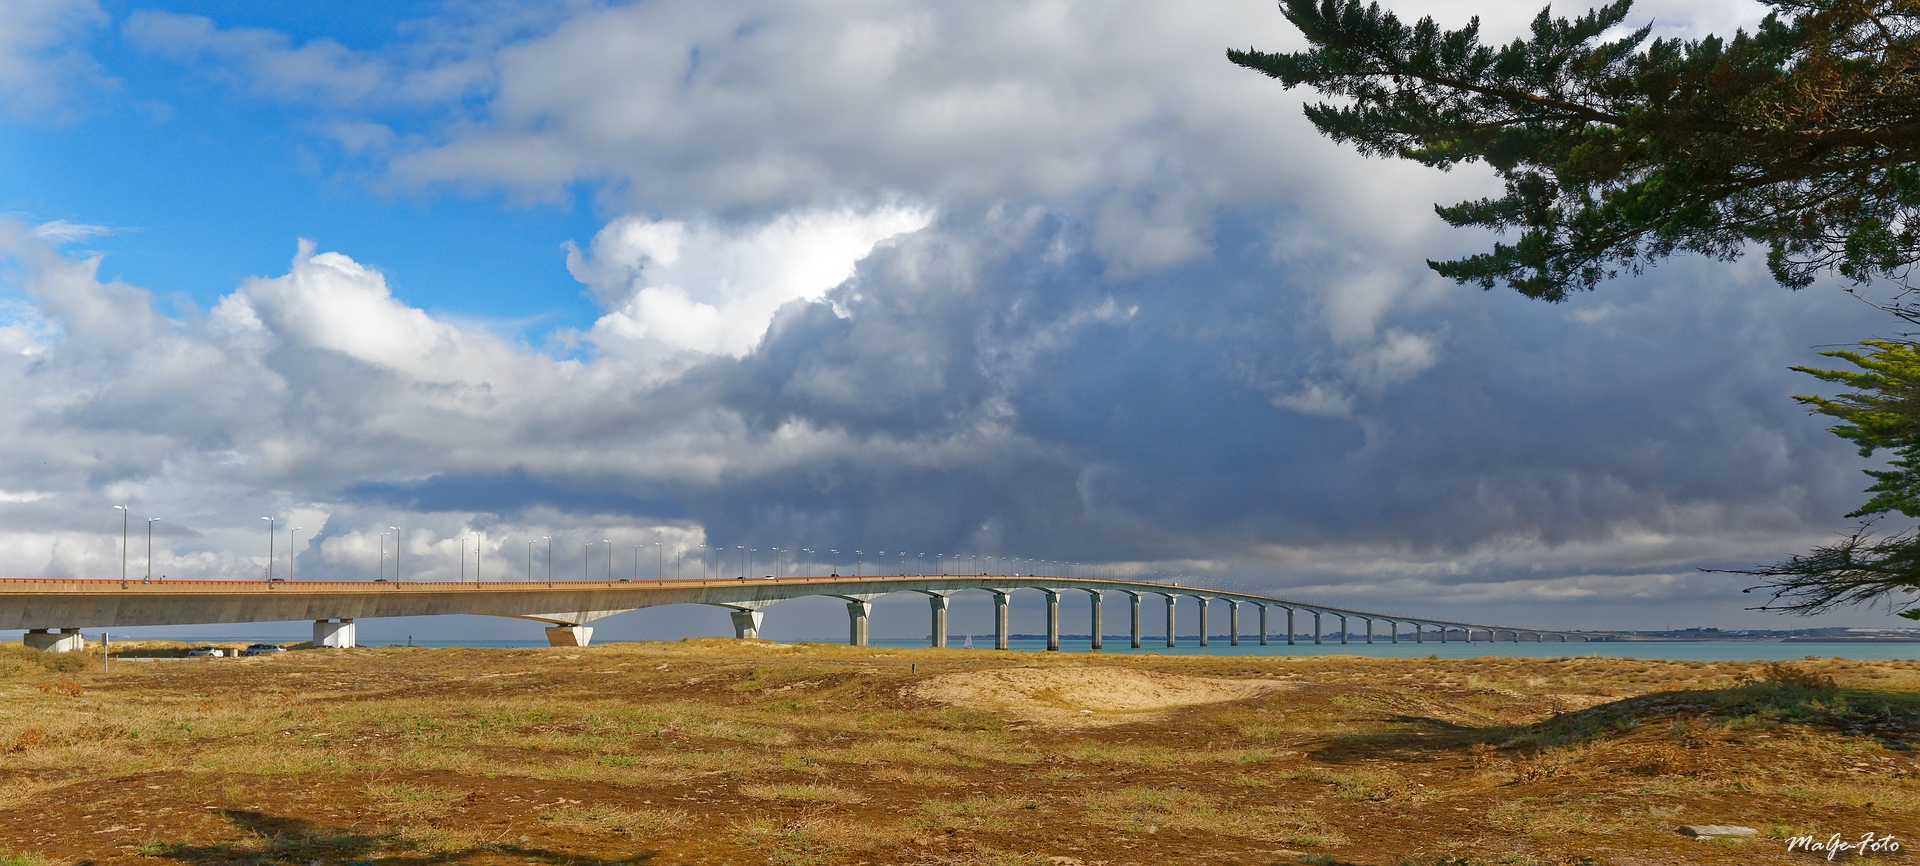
(64, 232)
(40, 62)
(713, 288)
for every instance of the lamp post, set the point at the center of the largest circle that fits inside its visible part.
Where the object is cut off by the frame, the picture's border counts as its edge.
(150, 521)
(396, 553)
(383, 556)
(679, 558)
(609, 544)
(856, 563)
(586, 553)
(703, 563)
(123, 545)
(290, 547)
(269, 521)
(529, 561)
(479, 540)
(743, 559)
(549, 540)
(659, 562)
(836, 560)
(636, 562)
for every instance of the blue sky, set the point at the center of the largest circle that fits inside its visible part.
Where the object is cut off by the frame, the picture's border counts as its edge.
(1049, 280)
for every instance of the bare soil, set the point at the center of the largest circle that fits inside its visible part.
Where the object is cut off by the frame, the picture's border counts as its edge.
(720, 751)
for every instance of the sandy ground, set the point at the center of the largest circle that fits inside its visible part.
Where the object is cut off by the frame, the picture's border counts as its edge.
(1084, 697)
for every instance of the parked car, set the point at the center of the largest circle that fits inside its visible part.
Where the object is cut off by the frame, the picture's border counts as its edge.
(263, 649)
(206, 652)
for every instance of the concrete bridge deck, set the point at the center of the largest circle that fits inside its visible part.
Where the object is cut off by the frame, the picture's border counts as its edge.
(53, 610)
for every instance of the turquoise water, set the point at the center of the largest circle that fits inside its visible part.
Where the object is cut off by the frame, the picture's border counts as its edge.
(1677, 650)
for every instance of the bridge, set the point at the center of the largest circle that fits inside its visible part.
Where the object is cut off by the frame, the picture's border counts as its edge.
(53, 611)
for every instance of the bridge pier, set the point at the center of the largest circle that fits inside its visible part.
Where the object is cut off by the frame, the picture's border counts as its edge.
(938, 602)
(340, 634)
(999, 620)
(1133, 599)
(1443, 634)
(1233, 622)
(1393, 628)
(57, 640)
(857, 613)
(746, 622)
(1289, 626)
(1369, 630)
(1317, 631)
(1170, 611)
(1263, 625)
(1053, 620)
(1095, 595)
(559, 635)
(1343, 628)
(1419, 633)
(1203, 618)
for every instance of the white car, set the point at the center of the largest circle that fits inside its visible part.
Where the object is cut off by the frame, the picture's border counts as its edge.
(203, 652)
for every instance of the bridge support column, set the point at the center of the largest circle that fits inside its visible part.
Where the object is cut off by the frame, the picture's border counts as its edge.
(1233, 623)
(939, 604)
(1369, 631)
(1203, 620)
(1170, 611)
(1095, 594)
(1516, 636)
(1443, 634)
(746, 623)
(1343, 629)
(1289, 626)
(567, 635)
(1133, 599)
(59, 640)
(1394, 629)
(339, 635)
(999, 620)
(857, 613)
(1419, 633)
(1053, 620)
(1317, 632)
(1263, 625)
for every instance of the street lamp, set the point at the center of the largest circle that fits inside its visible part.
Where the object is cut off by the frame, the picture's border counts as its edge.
(743, 560)
(659, 562)
(290, 543)
(703, 563)
(529, 561)
(396, 553)
(856, 563)
(636, 562)
(150, 521)
(383, 556)
(269, 520)
(609, 543)
(549, 540)
(123, 545)
(479, 540)
(836, 561)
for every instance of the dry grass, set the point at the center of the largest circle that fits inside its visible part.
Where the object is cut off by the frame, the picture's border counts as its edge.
(722, 752)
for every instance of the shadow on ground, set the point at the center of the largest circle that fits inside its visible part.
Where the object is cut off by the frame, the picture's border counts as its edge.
(298, 842)
(1784, 697)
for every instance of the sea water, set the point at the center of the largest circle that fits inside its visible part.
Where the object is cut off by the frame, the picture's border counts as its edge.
(1705, 650)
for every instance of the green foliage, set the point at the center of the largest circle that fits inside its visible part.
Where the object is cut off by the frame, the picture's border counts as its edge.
(1882, 412)
(1615, 153)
